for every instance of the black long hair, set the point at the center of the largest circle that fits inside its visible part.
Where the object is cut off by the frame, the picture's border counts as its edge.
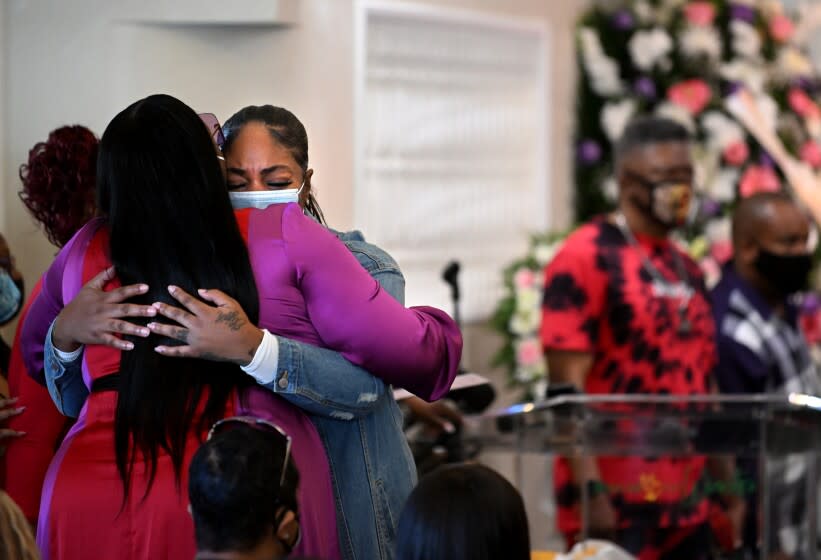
(285, 128)
(162, 191)
(463, 512)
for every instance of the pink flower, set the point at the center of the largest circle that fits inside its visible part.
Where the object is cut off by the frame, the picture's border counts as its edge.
(529, 352)
(711, 270)
(722, 251)
(736, 153)
(524, 278)
(802, 104)
(700, 13)
(781, 28)
(692, 95)
(811, 153)
(757, 179)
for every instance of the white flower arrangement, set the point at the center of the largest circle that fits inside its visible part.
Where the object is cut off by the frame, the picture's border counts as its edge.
(676, 113)
(701, 41)
(753, 76)
(722, 187)
(616, 115)
(648, 48)
(746, 40)
(519, 316)
(602, 70)
(721, 130)
(792, 63)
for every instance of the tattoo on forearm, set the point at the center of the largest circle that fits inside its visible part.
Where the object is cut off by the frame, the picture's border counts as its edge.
(232, 319)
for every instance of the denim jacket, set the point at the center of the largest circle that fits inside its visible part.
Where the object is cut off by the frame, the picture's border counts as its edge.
(355, 413)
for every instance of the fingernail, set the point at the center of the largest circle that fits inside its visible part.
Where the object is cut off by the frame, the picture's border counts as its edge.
(19, 409)
(150, 311)
(449, 427)
(172, 289)
(144, 332)
(21, 434)
(151, 326)
(128, 346)
(202, 291)
(156, 305)
(159, 349)
(143, 288)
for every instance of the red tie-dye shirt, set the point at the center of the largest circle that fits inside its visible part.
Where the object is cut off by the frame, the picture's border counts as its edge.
(600, 299)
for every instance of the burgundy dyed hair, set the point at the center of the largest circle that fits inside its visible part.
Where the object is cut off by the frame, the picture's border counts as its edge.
(59, 181)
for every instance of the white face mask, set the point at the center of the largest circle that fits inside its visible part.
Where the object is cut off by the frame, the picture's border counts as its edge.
(264, 199)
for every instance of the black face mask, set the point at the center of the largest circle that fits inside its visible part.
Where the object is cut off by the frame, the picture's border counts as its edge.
(787, 274)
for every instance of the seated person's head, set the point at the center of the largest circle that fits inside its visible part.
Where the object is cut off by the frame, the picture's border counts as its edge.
(771, 244)
(465, 512)
(239, 505)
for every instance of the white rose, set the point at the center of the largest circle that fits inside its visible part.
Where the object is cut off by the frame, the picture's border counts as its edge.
(610, 188)
(544, 253)
(721, 130)
(602, 70)
(697, 41)
(527, 300)
(524, 323)
(718, 230)
(791, 63)
(615, 116)
(649, 47)
(677, 113)
(746, 41)
(724, 183)
(751, 75)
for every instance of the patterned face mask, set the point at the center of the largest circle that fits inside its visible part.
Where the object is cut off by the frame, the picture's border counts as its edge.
(672, 203)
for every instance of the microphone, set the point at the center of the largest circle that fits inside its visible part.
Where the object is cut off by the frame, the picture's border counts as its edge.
(451, 277)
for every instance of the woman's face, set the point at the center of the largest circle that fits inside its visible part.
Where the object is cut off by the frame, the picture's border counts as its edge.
(257, 162)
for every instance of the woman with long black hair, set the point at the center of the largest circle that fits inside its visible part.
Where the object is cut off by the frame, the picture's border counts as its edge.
(116, 486)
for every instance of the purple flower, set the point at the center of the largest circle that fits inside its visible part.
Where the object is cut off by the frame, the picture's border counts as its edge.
(623, 20)
(645, 87)
(731, 87)
(810, 303)
(710, 208)
(742, 12)
(806, 83)
(589, 152)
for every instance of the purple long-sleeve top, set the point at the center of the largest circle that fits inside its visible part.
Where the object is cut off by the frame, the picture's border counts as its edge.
(313, 289)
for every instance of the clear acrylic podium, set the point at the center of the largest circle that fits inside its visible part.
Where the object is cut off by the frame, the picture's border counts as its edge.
(763, 430)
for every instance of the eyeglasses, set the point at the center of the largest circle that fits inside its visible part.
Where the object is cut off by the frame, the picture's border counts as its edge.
(259, 424)
(213, 124)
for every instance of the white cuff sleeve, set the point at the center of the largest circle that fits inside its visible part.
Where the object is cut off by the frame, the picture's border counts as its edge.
(263, 367)
(66, 357)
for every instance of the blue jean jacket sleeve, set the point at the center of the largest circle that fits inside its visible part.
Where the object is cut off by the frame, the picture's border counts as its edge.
(321, 381)
(64, 380)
